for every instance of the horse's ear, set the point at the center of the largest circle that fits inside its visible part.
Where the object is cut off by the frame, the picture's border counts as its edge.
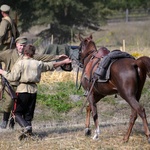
(80, 38)
(91, 37)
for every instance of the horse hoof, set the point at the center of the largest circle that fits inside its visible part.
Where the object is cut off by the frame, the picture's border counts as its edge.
(87, 132)
(95, 137)
(125, 140)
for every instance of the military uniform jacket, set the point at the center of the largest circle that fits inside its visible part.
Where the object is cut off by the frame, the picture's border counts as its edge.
(8, 29)
(28, 72)
(10, 57)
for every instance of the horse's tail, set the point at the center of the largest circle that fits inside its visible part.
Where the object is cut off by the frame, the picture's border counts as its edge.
(144, 63)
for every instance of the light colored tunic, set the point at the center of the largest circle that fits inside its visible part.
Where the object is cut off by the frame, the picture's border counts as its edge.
(10, 57)
(28, 72)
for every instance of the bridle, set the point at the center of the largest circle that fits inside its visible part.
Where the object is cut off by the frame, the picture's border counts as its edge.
(82, 60)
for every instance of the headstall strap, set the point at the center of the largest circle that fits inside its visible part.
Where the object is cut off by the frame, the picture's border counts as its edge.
(89, 54)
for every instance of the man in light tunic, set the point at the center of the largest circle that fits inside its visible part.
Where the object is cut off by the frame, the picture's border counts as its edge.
(9, 58)
(27, 71)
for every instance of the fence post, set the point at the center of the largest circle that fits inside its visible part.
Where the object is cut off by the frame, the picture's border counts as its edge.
(127, 15)
(52, 39)
(124, 46)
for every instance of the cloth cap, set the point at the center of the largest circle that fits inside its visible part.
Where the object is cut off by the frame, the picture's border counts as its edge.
(67, 67)
(5, 8)
(21, 40)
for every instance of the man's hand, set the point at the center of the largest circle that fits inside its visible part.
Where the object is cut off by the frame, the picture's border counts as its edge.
(63, 62)
(62, 57)
(1, 71)
(67, 61)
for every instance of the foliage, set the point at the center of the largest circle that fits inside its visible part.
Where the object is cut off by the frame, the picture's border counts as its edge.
(62, 16)
(136, 54)
(57, 96)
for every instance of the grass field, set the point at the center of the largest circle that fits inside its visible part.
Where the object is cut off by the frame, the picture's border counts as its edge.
(134, 34)
(65, 130)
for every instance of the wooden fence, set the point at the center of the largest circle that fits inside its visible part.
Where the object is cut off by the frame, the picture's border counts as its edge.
(130, 15)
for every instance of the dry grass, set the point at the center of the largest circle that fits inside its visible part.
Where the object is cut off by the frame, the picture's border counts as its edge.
(135, 34)
(72, 138)
(58, 76)
(69, 135)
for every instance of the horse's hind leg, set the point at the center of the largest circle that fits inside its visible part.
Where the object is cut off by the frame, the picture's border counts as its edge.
(133, 117)
(145, 123)
(87, 124)
(141, 111)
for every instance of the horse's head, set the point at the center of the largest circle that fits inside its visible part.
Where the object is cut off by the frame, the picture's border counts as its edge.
(87, 47)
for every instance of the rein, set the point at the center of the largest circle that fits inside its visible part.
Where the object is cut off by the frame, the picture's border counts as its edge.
(80, 66)
(88, 55)
(87, 99)
(83, 63)
(93, 81)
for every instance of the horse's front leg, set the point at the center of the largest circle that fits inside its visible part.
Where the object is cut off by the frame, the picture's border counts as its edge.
(92, 103)
(95, 118)
(92, 107)
(87, 123)
(93, 99)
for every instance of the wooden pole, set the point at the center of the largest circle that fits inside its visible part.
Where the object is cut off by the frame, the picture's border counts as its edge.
(52, 39)
(127, 15)
(124, 47)
(121, 48)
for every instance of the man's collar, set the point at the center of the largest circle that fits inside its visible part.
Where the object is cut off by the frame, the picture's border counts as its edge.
(18, 53)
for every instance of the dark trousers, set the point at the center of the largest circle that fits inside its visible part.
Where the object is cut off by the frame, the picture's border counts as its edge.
(24, 108)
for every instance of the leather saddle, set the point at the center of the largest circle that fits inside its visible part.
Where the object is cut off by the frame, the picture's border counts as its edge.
(101, 52)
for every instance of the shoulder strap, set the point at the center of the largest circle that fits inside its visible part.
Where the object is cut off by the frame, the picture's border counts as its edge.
(8, 19)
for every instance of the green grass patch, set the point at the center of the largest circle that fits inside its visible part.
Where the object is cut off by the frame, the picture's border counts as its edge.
(57, 96)
(109, 99)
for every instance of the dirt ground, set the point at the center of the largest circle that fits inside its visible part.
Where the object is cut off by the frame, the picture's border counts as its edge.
(72, 138)
(69, 135)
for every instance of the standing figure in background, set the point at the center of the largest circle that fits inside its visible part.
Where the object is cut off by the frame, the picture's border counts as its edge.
(8, 29)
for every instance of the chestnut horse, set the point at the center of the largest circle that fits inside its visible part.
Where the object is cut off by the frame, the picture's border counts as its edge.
(127, 78)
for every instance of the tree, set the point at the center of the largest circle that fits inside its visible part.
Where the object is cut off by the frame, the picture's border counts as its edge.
(64, 15)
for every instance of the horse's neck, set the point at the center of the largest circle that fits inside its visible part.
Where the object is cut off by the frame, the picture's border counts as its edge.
(87, 59)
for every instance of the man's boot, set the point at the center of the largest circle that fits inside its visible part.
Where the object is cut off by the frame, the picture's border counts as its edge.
(29, 128)
(5, 120)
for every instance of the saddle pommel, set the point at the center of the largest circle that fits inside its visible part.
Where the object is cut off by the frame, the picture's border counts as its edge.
(103, 51)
